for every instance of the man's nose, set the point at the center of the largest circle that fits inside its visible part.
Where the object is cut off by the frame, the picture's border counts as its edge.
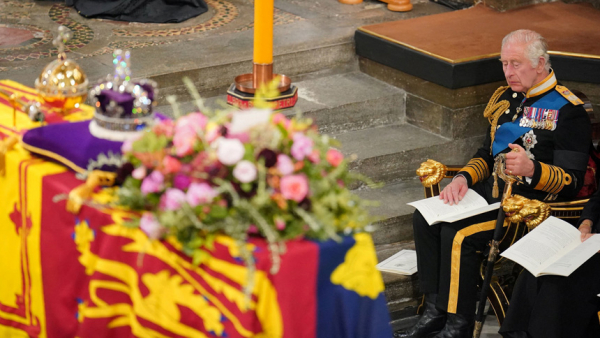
(508, 71)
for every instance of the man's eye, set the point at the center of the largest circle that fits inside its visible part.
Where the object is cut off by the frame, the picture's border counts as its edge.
(516, 65)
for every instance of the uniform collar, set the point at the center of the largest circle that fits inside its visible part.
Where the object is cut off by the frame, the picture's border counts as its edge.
(547, 84)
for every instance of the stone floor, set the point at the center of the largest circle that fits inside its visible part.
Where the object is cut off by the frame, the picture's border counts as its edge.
(222, 35)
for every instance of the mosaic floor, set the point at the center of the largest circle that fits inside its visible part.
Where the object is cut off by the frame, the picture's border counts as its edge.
(27, 28)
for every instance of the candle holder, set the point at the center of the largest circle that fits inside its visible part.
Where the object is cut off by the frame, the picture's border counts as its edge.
(393, 5)
(241, 93)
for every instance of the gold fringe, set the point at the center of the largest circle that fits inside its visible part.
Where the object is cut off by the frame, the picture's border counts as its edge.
(494, 110)
(6, 145)
(84, 191)
(495, 191)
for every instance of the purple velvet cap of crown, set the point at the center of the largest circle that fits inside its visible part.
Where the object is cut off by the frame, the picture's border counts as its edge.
(124, 100)
(71, 144)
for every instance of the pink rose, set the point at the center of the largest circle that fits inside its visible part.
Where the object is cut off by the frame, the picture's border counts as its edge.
(192, 121)
(153, 183)
(150, 225)
(280, 118)
(279, 224)
(334, 157)
(184, 141)
(302, 146)
(314, 156)
(294, 187)
(172, 199)
(164, 127)
(245, 171)
(252, 229)
(127, 146)
(285, 164)
(230, 151)
(171, 164)
(139, 173)
(200, 193)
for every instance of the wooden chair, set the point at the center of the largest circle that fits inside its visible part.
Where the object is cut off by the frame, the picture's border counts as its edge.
(506, 272)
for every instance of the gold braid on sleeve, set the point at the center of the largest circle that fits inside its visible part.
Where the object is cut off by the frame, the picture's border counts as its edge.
(494, 110)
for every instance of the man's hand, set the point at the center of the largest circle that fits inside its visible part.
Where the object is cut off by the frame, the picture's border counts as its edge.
(586, 229)
(455, 191)
(517, 162)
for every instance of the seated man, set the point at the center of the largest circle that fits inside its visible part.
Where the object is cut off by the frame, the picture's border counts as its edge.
(555, 306)
(551, 133)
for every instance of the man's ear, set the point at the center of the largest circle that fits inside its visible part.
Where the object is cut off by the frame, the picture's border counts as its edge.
(541, 65)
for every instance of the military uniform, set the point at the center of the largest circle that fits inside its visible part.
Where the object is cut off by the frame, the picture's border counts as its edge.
(554, 306)
(550, 123)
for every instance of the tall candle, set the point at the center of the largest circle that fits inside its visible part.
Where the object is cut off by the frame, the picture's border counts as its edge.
(263, 31)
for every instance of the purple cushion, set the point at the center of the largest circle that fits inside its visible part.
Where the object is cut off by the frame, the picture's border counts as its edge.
(70, 144)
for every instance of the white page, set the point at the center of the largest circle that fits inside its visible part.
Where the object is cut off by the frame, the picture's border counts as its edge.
(568, 263)
(544, 245)
(434, 209)
(404, 262)
(473, 212)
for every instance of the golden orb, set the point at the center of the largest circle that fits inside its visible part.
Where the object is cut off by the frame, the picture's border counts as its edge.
(62, 84)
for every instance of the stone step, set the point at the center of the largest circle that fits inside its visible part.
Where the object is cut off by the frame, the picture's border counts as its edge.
(395, 216)
(337, 102)
(393, 152)
(401, 292)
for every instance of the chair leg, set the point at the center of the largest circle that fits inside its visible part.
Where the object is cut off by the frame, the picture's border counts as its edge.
(498, 301)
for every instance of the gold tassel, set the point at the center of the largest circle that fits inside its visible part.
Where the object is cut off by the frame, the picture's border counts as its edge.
(495, 192)
(6, 145)
(84, 191)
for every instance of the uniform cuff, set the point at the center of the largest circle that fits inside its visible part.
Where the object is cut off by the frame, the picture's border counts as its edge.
(549, 178)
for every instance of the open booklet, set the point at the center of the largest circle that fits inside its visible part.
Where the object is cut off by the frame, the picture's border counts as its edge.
(553, 248)
(403, 262)
(435, 211)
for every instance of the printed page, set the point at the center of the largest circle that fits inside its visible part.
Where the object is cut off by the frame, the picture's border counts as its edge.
(434, 210)
(544, 245)
(568, 263)
(404, 262)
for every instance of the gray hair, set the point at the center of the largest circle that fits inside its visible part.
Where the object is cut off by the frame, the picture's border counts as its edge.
(536, 45)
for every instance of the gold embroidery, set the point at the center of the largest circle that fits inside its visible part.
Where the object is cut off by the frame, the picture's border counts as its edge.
(553, 179)
(455, 260)
(478, 169)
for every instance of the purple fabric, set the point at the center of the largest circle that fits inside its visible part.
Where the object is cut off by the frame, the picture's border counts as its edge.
(124, 100)
(72, 141)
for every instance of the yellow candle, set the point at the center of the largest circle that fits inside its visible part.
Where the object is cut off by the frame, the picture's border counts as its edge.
(263, 31)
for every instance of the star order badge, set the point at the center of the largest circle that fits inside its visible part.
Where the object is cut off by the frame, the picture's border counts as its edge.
(529, 142)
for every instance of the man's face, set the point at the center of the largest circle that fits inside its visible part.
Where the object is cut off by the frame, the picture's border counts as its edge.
(519, 73)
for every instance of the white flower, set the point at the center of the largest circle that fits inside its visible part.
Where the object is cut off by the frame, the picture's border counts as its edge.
(245, 171)
(230, 151)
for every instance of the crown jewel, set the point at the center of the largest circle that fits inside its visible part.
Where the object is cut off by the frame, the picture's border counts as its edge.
(123, 106)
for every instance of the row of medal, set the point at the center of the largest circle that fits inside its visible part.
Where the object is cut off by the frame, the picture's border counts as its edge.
(539, 118)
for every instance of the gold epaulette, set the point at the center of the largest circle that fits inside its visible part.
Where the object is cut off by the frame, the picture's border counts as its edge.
(566, 93)
(494, 110)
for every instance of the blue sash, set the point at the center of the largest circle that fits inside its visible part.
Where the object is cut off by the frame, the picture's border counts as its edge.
(510, 131)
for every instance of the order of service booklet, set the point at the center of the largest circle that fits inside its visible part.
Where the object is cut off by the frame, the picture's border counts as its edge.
(404, 262)
(553, 248)
(434, 210)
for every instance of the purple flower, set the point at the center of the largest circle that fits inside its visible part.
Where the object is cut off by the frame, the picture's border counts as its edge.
(230, 151)
(153, 183)
(200, 193)
(302, 146)
(181, 181)
(172, 199)
(150, 225)
(245, 171)
(285, 164)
